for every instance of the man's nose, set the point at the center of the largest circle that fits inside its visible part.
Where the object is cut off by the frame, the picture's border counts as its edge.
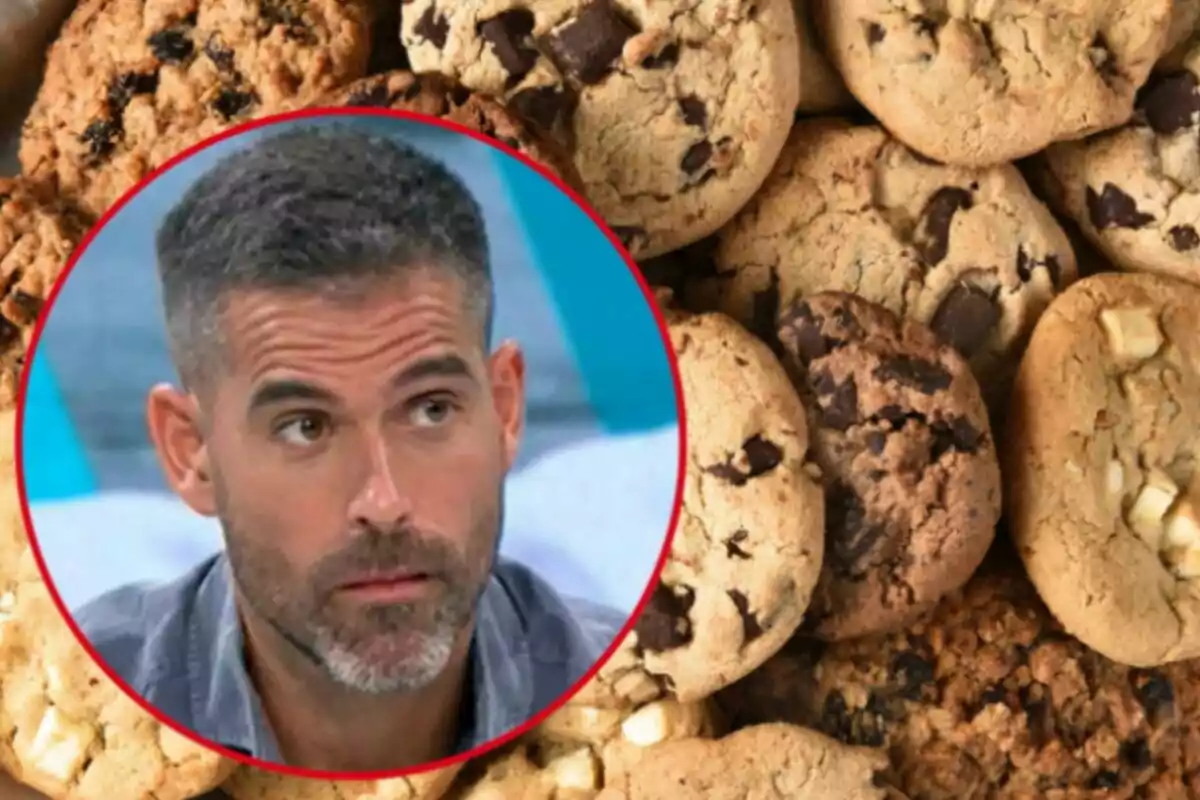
(381, 502)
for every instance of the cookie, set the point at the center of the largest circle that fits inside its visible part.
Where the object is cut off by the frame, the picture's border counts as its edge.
(131, 83)
(901, 434)
(674, 111)
(983, 84)
(37, 237)
(822, 90)
(1135, 191)
(1185, 19)
(1103, 465)
(436, 96)
(761, 761)
(970, 253)
(248, 783)
(989, 698)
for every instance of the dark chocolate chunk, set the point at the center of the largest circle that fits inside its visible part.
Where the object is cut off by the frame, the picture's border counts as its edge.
(761, 457)
(751, 630)
(231, 102)
(1136, 753)
(849, 535)
(1156, 694)
(101, 138)
(958, 435)
(965, 318)
(171, 45)
(284, 14)
(664, 624)
(927, 377)
(696, 157)
(864, 727)
(666, 57)
(219, 54)
(1026, 266)
(509, 35)
(876, 33)
(838, 402)
(1112, 208)
(993, 694)
(122, 90)
(1107, 779)
(932, 237)
(911, 672)
(432, 27)
(693, 110)
(1039, 719)
(1184, 238)
(375, 96)
(1170, 102)
(733, 545)
(802, 330)
(9, 333)
(550, 107)
(586, 47)
(26, 305)
(876, 442)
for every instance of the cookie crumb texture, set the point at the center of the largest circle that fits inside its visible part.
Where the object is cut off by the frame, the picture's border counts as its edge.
(248, 783)
(901, 436)
(131, 83)
(65, 728)
(970, 253)
(984, 83)
(37, 237)
(1103, 466)
(436, 96)
(675, 111)
(771, 762)
(749, 544)
(1135, 191)
(988, 699)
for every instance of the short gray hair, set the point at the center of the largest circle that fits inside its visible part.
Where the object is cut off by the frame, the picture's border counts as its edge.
(319, 208)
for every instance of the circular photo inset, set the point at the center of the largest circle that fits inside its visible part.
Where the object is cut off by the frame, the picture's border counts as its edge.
(351, 444)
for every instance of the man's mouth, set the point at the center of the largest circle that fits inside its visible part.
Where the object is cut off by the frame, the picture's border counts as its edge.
(388, 586)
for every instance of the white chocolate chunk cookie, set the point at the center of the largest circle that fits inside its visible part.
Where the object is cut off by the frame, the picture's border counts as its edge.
(765, 761)
(675, 110)
(249, 783)
(971, 254)
(1103, 466)
(981, 83)
(1135, 191)
(748, 547)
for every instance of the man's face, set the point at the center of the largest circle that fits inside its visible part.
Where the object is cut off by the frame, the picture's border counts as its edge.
(357, 450)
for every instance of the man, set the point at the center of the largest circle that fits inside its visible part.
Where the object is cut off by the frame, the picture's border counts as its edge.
(328, 301)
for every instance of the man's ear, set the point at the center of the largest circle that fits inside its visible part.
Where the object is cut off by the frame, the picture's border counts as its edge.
(173, 418)
(507, 367)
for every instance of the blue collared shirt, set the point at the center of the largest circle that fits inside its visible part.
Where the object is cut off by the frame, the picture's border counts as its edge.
(179, 646)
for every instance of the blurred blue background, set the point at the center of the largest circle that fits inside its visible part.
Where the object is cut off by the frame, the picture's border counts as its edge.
(589, 502)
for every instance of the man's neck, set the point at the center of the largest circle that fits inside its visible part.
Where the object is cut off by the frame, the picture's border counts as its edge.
(320, 724)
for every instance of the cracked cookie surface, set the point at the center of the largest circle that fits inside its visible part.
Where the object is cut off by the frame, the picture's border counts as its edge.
(436, 96)
(970, 253)
(1103, 465)
(748, 547)
(988, 699)
(674, 111)
(131, 83)
(772, 762)
(248, 783)
(989, 82)
(900, 433)
(1135, 191)
(37, 238)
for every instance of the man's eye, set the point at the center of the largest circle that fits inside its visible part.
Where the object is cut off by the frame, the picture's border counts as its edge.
(432, 411)
(303, 431)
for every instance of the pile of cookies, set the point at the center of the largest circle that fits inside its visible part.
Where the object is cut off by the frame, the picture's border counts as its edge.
(931, 271)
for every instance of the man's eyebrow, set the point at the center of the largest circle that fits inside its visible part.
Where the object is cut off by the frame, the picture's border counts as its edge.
(280, 391)
(448, 366)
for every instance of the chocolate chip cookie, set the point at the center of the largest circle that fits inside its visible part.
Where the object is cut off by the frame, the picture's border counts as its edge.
(985, 83)
(674, 111)
(1135, 191)
(1103, 465)
(989, 699)
(248, 783)
(131, 83)
(748, 546)
(37, 237)
(437, 96)
(774, 760)
(901, 434)
(970, 253)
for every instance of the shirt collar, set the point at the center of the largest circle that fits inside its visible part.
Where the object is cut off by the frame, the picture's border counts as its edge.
(228, 710)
